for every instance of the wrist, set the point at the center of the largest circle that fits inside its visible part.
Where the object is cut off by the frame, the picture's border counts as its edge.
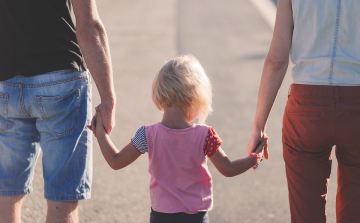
(258, 128)
(258, 159)
(108, 99)
(108, 102)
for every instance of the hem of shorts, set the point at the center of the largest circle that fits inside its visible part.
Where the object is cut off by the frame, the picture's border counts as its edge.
(16, 193)
(68, 197)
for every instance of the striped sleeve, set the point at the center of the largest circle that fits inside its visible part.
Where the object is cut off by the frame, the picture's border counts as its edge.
(140, 141)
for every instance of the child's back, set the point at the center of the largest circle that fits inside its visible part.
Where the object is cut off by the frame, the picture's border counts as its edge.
(180, 179)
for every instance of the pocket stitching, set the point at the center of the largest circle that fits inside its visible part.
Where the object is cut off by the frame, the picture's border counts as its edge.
(305, 113)
(39, 100)
(5, 106)
(354, 112)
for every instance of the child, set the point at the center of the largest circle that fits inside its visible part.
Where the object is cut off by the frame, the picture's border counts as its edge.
(180, 184)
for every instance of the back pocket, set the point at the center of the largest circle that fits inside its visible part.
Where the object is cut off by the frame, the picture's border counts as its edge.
(5, 123)
(61, 113)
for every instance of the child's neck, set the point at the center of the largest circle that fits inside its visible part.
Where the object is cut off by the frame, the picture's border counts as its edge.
(175, 118)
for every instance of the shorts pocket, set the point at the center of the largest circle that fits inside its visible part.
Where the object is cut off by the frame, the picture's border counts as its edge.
(5, 123)
(61, 113)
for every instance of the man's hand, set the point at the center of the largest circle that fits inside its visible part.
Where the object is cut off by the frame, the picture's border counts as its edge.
(107, 112)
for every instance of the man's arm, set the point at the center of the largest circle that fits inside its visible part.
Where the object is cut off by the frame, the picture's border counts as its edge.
(93, 42)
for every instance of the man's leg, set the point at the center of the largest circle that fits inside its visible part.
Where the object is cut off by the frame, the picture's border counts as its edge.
(62, 212)
(18, 152)
(10, 209)
(65, 141)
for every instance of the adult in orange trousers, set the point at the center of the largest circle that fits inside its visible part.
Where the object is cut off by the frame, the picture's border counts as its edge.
(323, 109)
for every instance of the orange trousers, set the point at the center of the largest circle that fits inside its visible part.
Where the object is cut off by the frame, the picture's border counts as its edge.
(317, 118)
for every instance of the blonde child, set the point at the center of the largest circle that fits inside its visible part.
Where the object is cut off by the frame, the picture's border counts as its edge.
(180, 184)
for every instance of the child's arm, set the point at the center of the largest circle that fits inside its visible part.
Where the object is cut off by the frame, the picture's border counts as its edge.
(115, 159)
(232, 168)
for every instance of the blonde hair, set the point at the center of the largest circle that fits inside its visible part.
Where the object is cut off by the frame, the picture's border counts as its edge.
(183, 82)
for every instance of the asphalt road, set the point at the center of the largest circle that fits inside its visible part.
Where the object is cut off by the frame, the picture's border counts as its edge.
(231, 40)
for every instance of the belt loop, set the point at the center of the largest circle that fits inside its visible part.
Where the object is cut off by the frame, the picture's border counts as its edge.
(337, 97)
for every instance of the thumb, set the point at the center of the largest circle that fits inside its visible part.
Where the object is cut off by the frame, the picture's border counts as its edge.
(98, 113)
(260, 145)
(266, 150)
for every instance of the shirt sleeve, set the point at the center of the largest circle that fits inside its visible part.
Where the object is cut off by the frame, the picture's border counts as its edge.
(212, 142)
(139, 140)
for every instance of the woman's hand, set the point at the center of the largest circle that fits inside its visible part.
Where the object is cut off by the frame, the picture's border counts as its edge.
(256, 139)
(262, 148)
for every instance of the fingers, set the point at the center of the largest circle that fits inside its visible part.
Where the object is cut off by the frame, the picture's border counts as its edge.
(260, 145)
(98, 121)
(266, 151)
(99, 118)
(108, 119)
(89, 127)
(92, 125)
(251, 147)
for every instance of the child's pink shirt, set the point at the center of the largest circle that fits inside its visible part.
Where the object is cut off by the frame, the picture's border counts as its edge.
(180, 179)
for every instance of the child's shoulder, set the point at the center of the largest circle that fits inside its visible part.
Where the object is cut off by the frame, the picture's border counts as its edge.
(204, 126)
(158, 126)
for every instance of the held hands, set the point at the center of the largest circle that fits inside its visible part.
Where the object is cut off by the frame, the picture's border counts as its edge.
(107, 112)
(262, 147)
(259, 151)
(97, 124)
(258, 144)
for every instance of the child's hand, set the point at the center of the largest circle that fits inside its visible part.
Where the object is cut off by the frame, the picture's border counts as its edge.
(92, 125)
(99, 124)
(263, 145)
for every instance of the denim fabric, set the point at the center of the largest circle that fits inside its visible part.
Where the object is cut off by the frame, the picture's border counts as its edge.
(326, 42)
(158, 217)
(47, 112)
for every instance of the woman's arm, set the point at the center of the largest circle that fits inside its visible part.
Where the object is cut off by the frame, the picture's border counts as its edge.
(274, 70)
(115, 159)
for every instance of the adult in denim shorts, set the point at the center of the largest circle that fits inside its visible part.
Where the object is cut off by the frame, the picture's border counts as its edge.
(45, 101)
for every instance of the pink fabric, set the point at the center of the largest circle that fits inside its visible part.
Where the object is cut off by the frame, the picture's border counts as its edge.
(180, 179)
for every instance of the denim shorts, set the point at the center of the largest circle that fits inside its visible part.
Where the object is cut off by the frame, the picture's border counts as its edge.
(47, 112)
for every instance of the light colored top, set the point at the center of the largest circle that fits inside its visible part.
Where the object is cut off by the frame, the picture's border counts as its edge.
(326, 42)
(180, 180)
